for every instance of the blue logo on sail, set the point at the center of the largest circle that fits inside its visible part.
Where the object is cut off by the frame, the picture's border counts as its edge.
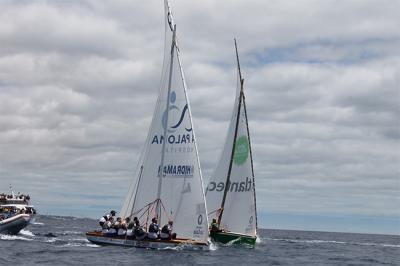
(172, 138)
(172, 107)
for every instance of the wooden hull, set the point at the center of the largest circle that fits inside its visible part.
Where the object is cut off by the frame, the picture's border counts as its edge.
(15, 224)
(101, 239)
(233, 238)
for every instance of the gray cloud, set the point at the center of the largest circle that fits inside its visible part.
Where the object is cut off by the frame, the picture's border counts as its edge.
(79, 81)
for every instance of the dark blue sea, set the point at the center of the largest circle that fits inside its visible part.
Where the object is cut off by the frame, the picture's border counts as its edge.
(54, 240)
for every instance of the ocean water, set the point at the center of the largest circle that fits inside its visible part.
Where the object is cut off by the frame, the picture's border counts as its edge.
(54, 240)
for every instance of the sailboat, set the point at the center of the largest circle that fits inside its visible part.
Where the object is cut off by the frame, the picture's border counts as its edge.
(230, 194)
(168, 181)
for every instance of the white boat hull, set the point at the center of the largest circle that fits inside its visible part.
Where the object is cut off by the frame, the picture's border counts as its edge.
(100, 239)
(15, 224)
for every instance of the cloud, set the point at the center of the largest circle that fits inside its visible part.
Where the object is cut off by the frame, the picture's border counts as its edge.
(79, 81)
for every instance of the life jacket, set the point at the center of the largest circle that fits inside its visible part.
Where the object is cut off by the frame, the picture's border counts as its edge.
(166, 229)
(139, 231)
(131, 225)
(107, 225)
(214, 227)
(154, 228)
(116, 225)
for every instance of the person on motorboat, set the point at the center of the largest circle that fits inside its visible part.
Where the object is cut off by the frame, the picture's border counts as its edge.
(166, 231)
(154, 229)
(29, 210)
(7, 212)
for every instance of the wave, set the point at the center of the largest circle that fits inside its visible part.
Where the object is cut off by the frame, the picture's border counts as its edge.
(62, 218)
(37, 223)
(26, 233)
(14, 237)
(213, 247)
(182, 247)
(172, 248)
(71, 233)
(92, 245)
(80, 240)
(377, 244)
(317, 241)
(80, 245)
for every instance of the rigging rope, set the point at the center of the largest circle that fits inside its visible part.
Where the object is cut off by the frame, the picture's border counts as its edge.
(150, 210)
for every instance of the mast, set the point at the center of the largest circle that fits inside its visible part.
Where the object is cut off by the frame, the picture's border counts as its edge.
(161, 172)
(234, 139)
(238, 65)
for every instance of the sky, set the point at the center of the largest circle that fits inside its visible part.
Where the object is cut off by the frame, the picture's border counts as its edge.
(79, 81)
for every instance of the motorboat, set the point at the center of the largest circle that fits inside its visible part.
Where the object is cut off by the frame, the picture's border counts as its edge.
(15, 213)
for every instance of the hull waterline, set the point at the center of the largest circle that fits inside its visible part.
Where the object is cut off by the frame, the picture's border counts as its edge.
(15, 224)
(100, 239)
(233, 238)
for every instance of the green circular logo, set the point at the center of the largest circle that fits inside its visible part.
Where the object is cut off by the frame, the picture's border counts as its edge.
(241, 150)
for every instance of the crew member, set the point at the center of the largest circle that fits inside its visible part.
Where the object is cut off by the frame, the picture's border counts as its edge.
(166, 231)
(154, 229)
(129, 226)
(136, 222)
(106, 218)
(214, 226)
(139, 232)
(102, 221)
(111, 226)
(121, 227)
(126, 222)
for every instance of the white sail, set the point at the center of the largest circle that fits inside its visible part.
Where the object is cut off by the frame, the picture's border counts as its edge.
(169, 170)
(234, 176)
